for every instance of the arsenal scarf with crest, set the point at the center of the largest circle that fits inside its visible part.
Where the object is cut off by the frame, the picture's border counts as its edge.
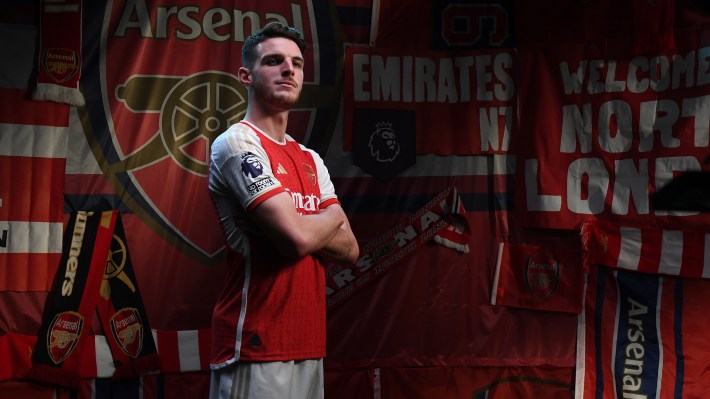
(59, 52)
(94, 276)
(442, 219)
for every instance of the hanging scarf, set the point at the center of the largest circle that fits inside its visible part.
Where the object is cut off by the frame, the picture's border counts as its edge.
(59, 53)
(442, 219)
(95, 275)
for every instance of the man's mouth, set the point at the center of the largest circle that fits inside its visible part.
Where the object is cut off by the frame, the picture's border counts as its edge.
(287, 83)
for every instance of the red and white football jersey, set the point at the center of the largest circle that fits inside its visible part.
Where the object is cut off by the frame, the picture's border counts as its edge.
(272, 308)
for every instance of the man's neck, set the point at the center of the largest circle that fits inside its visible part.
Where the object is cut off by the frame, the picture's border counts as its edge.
(273, 124)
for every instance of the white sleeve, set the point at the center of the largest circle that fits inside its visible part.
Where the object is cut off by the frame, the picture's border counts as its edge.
(244, 166)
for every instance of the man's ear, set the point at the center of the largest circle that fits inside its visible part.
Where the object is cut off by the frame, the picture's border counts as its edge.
(244, 76)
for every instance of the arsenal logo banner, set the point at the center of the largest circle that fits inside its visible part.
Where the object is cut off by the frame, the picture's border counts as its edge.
(538, 278)
(95, 275)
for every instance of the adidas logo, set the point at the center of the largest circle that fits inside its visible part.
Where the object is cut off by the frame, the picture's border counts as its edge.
(280, 170)
(255, 340)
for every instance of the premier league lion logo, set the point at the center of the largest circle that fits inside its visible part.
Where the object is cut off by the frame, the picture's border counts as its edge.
(251, 166)
(383, 143)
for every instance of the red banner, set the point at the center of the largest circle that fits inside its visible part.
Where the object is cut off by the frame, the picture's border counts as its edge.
(616, 128)
(539, 278)
(474, 383)
(443, 24)
(449, 102)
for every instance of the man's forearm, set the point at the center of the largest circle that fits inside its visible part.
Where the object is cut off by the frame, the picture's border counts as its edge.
(343, 247)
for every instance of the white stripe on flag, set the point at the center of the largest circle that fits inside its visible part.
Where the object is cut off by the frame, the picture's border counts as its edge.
(630, 251)
(189, 350)
(494, 291)
(31, 237)
(80, 159)
(671, 252)
(706, 257)
(33, 141)
(104, 359)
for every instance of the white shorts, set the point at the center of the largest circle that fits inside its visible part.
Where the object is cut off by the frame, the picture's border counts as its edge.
(302, 379)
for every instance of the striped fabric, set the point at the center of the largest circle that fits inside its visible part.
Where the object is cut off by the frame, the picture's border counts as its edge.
(655, 251)
(33, 142)
(179, 352)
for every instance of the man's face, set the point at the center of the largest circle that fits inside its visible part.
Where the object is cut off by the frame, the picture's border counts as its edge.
(277, 74)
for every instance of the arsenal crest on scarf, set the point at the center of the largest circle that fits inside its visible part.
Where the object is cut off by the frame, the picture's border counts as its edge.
(94, 275)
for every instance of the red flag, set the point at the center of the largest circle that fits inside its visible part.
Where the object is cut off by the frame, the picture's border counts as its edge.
(539, 278)
(33, 140)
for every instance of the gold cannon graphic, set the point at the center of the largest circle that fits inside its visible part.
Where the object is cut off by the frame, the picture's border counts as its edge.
(61, 339)
(194, 110)
(128, 335)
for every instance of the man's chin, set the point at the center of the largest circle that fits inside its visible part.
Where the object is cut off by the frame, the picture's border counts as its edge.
(284, 103)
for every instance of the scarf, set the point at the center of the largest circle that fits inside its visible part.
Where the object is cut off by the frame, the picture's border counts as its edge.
(95, 275)
(59, 53)
(442, 219)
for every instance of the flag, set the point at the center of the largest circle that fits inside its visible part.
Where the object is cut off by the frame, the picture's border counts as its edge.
(639, 25)
(648, 250)
(442, 25)
(538, 278)
(181, 351)
(473, 382)
(33, 141)
(640, 337)
(355, 16)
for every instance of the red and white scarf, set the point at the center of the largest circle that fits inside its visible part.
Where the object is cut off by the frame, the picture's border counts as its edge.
(442, 219)
(655, 251)
(59, 53)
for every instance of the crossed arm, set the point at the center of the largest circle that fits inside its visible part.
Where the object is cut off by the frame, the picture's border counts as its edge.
(325, 234)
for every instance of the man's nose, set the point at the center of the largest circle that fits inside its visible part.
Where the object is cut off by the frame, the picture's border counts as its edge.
(288, 68)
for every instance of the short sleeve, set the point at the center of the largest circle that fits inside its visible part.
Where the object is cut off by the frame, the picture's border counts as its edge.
(240, 165)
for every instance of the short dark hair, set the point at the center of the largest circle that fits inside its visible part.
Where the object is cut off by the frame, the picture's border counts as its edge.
(270, 30)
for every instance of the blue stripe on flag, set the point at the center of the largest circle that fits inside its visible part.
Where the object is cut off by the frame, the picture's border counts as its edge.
(598, 317)
(637, 350)
(678, 332)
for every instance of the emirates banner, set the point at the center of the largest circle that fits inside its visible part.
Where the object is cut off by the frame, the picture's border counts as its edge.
(613, 128)
(449, 103)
